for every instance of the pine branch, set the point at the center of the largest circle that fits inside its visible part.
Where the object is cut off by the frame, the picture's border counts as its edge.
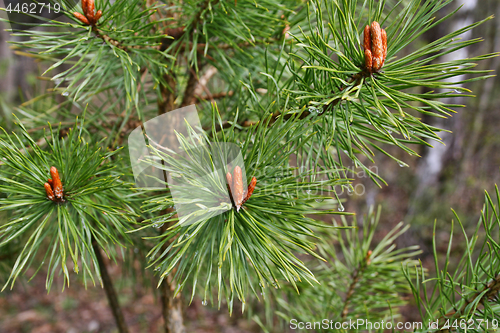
(355, 280)
(111, 41)
(171, 305)
(356, 79)
(189, 93)
(201, 47)
(352, 287)
(213, 97)
(478, 264)
(168, 94)
(71, 221)
(489, 292)
(107, 283)
(171, 309)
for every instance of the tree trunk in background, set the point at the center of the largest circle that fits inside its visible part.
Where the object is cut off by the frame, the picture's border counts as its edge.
(431, 165)
(7, 77)
(485, 91)
(14, 71)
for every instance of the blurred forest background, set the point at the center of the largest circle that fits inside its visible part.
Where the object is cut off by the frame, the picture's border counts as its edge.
(452, 175)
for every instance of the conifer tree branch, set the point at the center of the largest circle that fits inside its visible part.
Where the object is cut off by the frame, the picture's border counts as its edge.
(247, 123)
(216, 96)
(352, 287)
(110, 290)
(189, 93)
(171, 306)
(370, 103)
(108, 39)
(350, 292)
(168, 94)
(171, 309)
(489, 291)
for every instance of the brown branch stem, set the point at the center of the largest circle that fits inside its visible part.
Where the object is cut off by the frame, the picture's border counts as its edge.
(189, 93)
(350, 292)
(109, 289)
(110, 40)
(354, 282)
(215, 96)
(171, 306)
(275, 116)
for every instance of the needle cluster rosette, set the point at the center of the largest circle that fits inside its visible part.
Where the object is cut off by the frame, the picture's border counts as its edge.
(89, 16)
(375, 47)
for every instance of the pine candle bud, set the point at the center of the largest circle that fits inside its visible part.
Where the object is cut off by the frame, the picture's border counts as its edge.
(229, 179)
(368, 60)
(81, 18)
(89, 17)
(238, 191)
(367, 46)
(368, 257)
(251, 187)
(374, 47)
(90, 11)
(85, 7)
(56, 183)
(384, 45)
(377, 46)
(98, 16)
(48, 190)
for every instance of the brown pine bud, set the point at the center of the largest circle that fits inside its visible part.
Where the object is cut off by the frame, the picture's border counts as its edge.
(367, 48)
(377, 46)
(251, 187)
(57, 184)
(376, 36)
(368, 60)
(377, 63)
(229, 179)
(85, 7)
(367, 258)
(367, 39)
(97, 16)
(48, 190)
(384, 45)
(91, 11)
(50, 182)
(81, 18)
(238, 191)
